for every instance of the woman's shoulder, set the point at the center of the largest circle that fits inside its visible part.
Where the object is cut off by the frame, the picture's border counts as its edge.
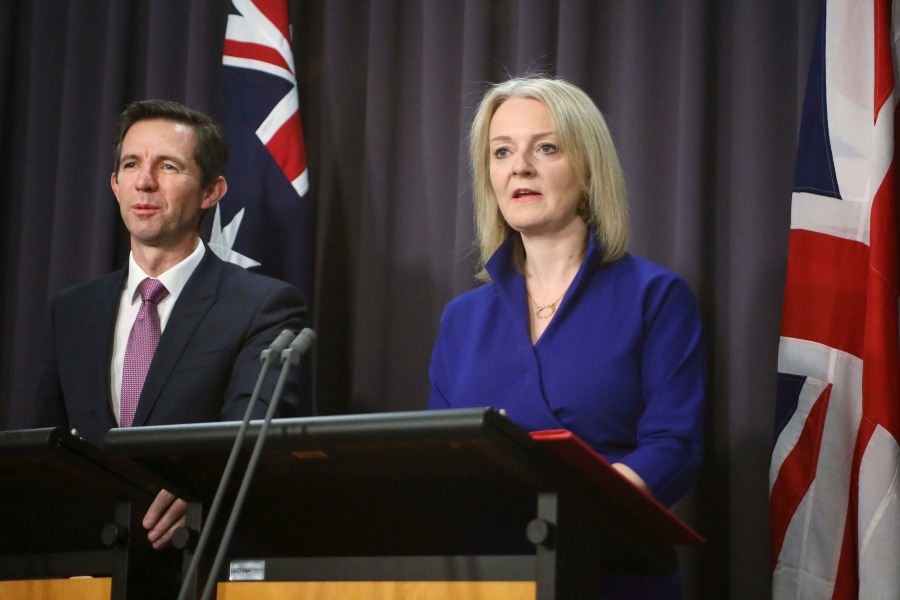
(475, 299)
(642, 268)
(648, 282)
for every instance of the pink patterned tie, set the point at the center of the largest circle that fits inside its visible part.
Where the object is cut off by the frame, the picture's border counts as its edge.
(142, 343)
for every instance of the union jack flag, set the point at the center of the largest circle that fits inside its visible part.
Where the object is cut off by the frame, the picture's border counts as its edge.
(264, 221)
(833, 481)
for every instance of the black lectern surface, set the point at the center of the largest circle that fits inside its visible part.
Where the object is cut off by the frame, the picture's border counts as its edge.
(59, 491)
(61, 495)
(388, 484)
(432, 495)
(456, 482)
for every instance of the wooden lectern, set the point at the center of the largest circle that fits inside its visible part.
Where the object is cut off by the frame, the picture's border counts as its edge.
(426, 498)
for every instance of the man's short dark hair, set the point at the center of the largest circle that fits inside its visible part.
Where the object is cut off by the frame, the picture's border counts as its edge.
(210, 151)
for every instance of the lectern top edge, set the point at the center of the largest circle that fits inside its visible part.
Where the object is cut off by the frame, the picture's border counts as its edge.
(38, 441)
(55, 454)
(414, 426)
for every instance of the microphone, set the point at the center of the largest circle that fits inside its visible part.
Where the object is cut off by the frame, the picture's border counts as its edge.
(276, 347)
(304, 340)
(290, 356)
(267, 356)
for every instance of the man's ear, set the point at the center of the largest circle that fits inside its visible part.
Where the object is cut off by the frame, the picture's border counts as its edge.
(214, 192)
(114, 184)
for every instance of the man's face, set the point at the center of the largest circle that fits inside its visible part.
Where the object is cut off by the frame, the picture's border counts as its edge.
(158, 185)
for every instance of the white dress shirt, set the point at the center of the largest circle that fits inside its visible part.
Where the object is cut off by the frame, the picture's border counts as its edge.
(130, 303)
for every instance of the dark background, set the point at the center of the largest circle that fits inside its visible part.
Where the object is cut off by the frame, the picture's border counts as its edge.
(703, 99)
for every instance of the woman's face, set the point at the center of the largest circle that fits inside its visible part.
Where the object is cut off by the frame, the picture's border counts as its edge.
(535, 185)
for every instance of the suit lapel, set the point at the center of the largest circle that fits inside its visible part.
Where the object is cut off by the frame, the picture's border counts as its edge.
(198, 295)
(102, 315)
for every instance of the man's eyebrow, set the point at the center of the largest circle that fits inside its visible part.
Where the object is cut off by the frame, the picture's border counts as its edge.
(162, 158)
(175, 159)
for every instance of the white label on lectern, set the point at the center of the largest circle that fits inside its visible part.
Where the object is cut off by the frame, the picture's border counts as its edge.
(247, 570)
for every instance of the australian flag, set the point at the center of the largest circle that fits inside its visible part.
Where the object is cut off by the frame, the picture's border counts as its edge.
(265, 221)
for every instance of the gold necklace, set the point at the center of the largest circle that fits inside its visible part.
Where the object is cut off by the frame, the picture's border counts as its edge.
(542, 312)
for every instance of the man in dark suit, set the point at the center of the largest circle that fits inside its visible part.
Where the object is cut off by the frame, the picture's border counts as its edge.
(209, 320)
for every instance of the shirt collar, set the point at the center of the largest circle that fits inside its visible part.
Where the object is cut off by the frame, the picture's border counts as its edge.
(174, 279)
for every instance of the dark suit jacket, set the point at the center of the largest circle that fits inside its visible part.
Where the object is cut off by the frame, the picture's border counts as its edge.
(206, 363)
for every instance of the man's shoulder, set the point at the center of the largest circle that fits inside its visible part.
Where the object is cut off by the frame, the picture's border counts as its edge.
(241, 284)
(111, 283)
(239, 277)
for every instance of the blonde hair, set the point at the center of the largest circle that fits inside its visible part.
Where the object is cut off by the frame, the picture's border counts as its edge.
(583, 136)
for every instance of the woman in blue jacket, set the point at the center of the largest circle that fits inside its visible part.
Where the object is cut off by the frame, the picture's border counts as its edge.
(570, 331)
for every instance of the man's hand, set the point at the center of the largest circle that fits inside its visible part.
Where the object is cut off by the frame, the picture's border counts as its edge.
(166, 514)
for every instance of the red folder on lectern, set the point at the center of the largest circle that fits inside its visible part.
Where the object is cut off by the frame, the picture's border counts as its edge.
(572, 450)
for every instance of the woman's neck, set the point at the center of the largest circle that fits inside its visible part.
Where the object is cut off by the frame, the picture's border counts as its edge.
(553, 262)
(549, 268)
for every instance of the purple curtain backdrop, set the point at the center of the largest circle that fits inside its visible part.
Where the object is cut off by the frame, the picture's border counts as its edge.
(702, 97)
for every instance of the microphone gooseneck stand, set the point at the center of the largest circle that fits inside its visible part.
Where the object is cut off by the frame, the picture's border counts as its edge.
(267, 356)
(290, 357)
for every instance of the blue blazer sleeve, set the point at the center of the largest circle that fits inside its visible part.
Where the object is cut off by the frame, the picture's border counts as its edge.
(670, 430)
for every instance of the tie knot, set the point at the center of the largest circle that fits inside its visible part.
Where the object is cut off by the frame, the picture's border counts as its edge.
(152, 290)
